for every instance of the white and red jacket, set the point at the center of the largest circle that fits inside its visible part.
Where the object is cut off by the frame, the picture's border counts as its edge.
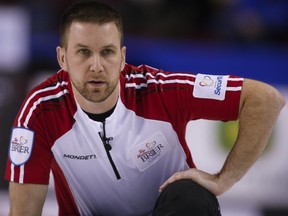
(146, 132)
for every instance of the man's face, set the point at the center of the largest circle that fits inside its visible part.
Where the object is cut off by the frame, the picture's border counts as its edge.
(94, 59)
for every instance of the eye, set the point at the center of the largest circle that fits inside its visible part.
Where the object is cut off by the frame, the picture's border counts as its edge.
(107, 52)
(84, 51)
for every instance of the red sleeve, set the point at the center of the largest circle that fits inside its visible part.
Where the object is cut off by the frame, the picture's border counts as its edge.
(46, 114)
(221, 102)
(183, 96)
(29, 153)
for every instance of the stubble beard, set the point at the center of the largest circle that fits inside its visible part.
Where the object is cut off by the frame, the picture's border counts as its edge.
(95, 95)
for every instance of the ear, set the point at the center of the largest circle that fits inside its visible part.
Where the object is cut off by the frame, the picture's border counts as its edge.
(123, 57)
(61, 57)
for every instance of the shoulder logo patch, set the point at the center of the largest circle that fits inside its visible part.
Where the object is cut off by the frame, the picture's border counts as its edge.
(21, 145)
(210, 86)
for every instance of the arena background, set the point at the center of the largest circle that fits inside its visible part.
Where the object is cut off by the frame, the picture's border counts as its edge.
(248, 38)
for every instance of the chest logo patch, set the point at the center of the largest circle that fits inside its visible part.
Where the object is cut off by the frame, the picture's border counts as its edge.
(210, 86)
(149, 152)
(21, 145)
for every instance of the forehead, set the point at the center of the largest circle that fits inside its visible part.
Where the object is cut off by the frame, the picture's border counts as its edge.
(93, 33)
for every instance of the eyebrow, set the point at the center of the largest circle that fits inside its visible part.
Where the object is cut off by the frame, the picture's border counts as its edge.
(85, 46)
(109, 46)
(81, 45)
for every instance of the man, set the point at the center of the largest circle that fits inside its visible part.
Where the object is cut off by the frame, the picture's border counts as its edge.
(114, 134)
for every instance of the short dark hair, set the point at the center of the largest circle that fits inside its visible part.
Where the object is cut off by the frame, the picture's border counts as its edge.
(89, 11)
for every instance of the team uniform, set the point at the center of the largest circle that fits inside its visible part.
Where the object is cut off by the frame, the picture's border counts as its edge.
(115, 167)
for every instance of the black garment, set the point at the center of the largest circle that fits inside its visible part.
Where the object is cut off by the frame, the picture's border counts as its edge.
(186, 198)
(100, 117)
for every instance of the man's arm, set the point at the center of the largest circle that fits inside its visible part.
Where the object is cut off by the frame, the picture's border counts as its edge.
(259, 108)
(27, 199)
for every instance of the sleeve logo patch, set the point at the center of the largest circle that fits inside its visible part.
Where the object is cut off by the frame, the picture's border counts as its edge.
(21, 145)
(210, 86)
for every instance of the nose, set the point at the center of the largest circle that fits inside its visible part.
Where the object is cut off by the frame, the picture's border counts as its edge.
(95, 64)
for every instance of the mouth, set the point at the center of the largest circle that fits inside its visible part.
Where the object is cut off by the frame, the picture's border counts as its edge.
(96, 83)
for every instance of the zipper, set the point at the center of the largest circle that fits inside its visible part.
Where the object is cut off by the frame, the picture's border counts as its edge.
(108, 148)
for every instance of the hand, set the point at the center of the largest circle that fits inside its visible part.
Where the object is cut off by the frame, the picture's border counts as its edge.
(211, 182)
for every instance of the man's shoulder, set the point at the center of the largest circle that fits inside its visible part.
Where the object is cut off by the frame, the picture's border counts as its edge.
(141, 69)
(55, 83)
(53, 80)
(53, 95)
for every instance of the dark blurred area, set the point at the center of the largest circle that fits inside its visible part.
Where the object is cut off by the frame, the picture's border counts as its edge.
(202, 25)
(244, 20)
(221, 21)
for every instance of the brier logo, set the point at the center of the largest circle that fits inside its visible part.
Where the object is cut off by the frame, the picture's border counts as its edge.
(149, 152)
(152, 151)
(18, 145)
(21, 145)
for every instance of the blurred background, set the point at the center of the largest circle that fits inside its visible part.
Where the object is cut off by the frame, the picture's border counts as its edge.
(248, 38)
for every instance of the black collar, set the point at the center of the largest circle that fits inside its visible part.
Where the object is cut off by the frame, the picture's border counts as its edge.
(100, 117)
